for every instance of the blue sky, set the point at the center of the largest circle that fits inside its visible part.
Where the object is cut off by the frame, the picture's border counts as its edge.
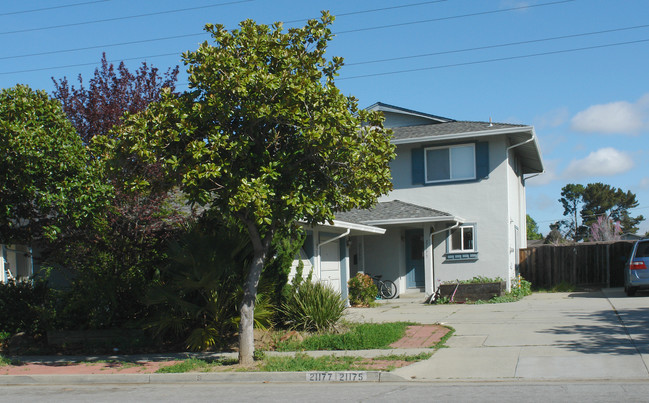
(577, 70)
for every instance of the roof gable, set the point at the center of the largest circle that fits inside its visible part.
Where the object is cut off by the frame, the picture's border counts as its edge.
(396, 116)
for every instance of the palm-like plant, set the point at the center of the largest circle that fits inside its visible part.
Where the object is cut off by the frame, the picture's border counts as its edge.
(200, 290)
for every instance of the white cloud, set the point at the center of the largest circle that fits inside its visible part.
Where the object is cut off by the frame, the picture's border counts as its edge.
(603, 162)
(620, 117)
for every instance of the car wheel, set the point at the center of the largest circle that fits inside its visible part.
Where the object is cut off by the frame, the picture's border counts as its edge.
(630, 291)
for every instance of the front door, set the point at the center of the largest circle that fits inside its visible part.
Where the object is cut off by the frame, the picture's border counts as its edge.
(415, 258)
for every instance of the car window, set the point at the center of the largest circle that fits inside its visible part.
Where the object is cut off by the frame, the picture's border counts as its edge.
(642, 250)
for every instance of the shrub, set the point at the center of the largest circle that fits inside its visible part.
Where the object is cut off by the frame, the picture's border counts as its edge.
(476, 280)
(23, 308)
(198, 292)
(313, 306)
(362, 290)
(521, 290)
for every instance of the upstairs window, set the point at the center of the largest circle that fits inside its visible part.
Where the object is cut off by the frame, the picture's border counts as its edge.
(450, 163)
(441, 165)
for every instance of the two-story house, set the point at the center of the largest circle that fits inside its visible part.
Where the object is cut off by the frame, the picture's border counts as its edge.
(457, 209)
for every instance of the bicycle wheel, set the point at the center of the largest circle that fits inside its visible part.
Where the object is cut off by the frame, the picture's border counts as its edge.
(388, 289)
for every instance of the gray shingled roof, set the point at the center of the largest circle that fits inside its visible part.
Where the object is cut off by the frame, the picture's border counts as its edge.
(382, 106)
(393, 210)
(440, 129)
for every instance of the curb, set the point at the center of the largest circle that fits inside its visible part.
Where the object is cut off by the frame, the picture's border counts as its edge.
(203, 377)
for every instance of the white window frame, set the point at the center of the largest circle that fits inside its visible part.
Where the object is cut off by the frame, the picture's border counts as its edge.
(461, 228)
(450, 161)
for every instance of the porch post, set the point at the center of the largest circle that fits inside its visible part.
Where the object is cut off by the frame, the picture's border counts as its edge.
(3, 278)
(429, 286)
(344, 269)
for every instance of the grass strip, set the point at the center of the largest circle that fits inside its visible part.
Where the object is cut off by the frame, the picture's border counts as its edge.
(303, 362)
(300, 362)
(188, 365)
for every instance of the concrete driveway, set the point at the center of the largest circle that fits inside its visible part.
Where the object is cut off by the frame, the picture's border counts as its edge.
(580, 335)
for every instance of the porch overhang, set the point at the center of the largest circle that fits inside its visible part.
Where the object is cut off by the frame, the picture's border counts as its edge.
(397, 212)
(354, 228)
(417, 220)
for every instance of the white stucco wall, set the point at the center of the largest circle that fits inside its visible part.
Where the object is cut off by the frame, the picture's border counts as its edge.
(517, 210)
(398, 120)
(486, 202)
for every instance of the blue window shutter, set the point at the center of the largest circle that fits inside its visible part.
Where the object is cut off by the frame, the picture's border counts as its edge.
(417, 158)
(482, 159)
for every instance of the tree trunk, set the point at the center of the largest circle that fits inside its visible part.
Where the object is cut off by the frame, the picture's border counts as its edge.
(247, 309)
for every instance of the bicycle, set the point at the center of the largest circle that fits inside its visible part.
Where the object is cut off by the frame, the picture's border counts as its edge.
(387, 288)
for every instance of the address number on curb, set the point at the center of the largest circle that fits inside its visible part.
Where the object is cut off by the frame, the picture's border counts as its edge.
(342, 376)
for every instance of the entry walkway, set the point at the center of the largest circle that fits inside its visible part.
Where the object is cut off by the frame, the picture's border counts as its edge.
(580, 335)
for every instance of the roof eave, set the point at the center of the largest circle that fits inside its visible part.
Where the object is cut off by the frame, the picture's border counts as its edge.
(415, 220)
(457, 136)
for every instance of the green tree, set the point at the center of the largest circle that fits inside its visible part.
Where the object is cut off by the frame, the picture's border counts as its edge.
(597, 200)
(46, 179)
(532, 229)
(571, 200)
(605, 200)
(555, 237)
(113, 259)
(264, 135)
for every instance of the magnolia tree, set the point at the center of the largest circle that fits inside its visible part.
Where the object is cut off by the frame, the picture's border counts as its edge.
(265, 136)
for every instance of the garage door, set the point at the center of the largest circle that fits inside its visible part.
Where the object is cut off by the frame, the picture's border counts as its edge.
(330, 264)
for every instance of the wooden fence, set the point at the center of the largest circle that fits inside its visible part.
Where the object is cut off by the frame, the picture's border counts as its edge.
(598, 264)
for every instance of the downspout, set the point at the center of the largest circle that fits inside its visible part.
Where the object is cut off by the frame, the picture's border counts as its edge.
(535, 175)
(432, 246)
(509, 230)
(520, 144)
(457, 224)
(334, 239)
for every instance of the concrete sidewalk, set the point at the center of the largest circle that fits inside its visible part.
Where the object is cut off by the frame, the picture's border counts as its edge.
(559, 336)
(581, 335)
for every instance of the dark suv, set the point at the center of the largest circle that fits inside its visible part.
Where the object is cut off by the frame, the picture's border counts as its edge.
(636, 272)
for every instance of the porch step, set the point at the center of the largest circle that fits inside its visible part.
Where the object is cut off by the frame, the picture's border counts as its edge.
(412, 295)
